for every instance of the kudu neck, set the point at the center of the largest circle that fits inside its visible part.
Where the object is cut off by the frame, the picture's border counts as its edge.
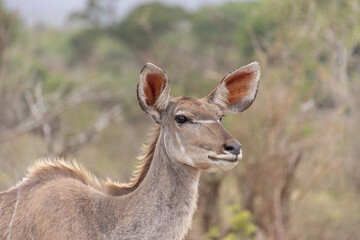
(163, 204)
(164, 169)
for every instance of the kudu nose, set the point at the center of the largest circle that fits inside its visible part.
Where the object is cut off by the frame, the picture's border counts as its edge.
(232, 147)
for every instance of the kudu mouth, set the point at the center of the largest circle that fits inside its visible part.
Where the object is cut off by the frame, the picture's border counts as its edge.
(226, 157)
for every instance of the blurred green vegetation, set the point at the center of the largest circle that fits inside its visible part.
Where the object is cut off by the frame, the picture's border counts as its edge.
(300, 175)
(242, 226)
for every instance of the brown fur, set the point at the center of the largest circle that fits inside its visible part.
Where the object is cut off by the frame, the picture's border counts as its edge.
(47, 170)
(59, 200)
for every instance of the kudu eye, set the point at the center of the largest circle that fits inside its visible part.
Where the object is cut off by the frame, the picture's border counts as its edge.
(221, 118)
(181, 119)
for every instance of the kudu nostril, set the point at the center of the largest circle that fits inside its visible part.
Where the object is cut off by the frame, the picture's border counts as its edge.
(233, 147)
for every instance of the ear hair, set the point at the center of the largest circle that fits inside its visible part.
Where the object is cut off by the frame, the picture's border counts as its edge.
(153, 90)
(221, 95)
(237, 91)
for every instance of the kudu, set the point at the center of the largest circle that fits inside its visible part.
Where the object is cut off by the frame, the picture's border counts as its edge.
(59, 200)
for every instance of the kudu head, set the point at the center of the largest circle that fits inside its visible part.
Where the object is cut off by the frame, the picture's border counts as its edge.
(193, 134)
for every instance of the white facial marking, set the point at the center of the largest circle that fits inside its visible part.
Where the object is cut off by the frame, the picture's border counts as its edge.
(165, 142)
(179, 141)
(240, 155)
(180, 113)
(13, 216)
(189, 160)
(205, 121)
(226, 156)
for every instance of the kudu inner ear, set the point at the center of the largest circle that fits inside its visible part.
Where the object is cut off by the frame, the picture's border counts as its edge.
(153, 90)
(237, 91)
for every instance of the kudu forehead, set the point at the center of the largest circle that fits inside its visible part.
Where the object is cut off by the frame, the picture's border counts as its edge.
(200, 108)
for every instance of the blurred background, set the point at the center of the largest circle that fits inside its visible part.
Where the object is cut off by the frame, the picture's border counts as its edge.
(68, 75)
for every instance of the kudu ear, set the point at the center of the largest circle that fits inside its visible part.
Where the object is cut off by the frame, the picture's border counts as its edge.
(237, 91)
(153, 91)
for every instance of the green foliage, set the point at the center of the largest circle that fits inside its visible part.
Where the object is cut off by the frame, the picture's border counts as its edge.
(213, 233)
(146, 24)
(230, 236)
(82, 44)
(309, 51)
(228, 25)
(241, 226)
(94, 14)
(8, 28)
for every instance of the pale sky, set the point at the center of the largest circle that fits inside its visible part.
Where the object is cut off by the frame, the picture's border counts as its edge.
(55, 13)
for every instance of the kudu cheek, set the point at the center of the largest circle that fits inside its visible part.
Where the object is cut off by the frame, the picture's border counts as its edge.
(178, 151)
